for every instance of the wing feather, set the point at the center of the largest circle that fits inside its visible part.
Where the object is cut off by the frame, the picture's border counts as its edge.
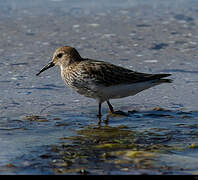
(108, 74)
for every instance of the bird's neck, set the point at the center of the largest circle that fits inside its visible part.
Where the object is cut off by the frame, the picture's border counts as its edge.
(67, 68)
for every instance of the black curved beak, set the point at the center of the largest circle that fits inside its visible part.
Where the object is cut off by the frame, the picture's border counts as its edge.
(51, 64)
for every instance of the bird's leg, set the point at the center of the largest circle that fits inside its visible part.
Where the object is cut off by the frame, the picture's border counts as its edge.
(99, 110)
(110, 107)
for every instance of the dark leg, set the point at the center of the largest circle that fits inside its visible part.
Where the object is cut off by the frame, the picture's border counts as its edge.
(99, 110)
(110, 107)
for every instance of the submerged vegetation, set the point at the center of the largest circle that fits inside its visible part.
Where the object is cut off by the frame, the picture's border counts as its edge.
(99, 149)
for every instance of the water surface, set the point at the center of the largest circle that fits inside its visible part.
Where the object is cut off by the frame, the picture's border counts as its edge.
(46, 128)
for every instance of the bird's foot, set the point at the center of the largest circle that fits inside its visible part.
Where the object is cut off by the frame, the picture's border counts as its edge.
(99, 116)
(99, 119)
(118, 113)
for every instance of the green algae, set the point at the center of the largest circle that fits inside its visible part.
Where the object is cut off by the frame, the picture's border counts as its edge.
(105, 132)
(117, 147)
(35, 118)
(193, 145)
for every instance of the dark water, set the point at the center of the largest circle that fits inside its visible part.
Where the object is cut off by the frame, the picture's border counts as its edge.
(45, 128)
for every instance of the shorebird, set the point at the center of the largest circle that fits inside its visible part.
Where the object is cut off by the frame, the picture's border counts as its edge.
(100, 80)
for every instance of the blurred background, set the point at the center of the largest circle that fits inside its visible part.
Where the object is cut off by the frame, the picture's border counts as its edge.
(151, 36)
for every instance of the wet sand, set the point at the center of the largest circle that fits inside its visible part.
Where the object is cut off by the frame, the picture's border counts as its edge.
(46, 128)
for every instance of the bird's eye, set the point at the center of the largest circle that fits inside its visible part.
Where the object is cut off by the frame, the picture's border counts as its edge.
(59, 55)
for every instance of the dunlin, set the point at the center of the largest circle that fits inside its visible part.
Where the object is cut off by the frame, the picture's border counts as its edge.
(100, 80)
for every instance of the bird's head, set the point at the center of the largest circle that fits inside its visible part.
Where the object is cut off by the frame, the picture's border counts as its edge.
(63, 56)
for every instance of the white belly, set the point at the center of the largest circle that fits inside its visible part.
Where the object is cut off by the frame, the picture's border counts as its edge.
(124, 90)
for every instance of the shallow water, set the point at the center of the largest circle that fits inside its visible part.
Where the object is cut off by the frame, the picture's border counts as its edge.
(45, 128)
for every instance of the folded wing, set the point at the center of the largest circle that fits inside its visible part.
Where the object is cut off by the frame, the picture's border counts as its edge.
(109, 74)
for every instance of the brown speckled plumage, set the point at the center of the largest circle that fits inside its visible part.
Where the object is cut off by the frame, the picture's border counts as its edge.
(108, 74)
(96, 79)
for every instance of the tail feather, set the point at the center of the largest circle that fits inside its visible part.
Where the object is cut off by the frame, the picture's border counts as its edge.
(165, 81)
(160, 76)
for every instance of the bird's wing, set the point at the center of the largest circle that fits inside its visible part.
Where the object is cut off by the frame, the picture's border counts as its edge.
(108, 74)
